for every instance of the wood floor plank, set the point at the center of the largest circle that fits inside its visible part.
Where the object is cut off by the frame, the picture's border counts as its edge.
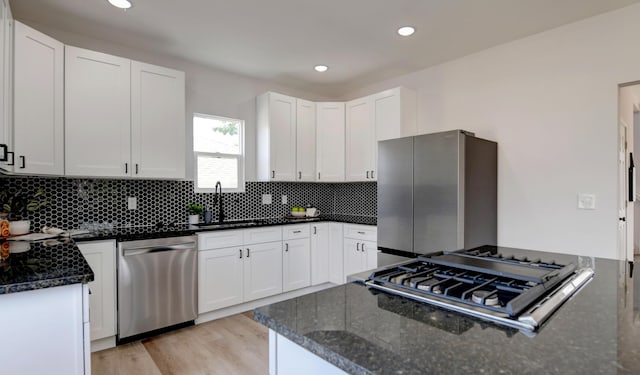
(231, 345)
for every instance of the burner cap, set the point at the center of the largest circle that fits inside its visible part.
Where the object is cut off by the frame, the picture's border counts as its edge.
(478, 295)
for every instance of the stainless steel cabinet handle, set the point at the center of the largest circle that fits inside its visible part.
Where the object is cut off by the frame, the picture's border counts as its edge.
(297, 231)
(126, 168)
(367, 174)
(315, 230)
(240, 253)
(273, 174)
(13, 158)
(286, 247)
(362, 247)
(318, 175)
(372, 174)
(299, 175)
(23, 163)
(136, 168)
(357, 246)
(248, 252)
(360, 232)
(5, 152)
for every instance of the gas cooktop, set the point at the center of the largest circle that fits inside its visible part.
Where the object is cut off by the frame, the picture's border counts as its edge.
(513, 291)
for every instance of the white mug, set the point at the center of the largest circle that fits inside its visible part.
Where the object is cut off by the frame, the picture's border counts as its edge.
(312, 212)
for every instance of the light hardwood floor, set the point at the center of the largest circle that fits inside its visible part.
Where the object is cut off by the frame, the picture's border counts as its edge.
(232, 345)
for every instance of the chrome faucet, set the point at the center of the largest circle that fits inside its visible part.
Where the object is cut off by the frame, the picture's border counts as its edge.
(219, 201)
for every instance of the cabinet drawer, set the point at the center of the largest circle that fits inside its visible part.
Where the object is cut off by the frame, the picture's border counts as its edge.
(219, 239)
(361, 232)
(260, 235)
(292, 232)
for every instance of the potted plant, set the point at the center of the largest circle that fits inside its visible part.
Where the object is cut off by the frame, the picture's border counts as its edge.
(194, 210)
(17, 204)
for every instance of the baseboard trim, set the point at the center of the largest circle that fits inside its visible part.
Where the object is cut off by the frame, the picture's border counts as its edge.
(102, 344)
(247, 306)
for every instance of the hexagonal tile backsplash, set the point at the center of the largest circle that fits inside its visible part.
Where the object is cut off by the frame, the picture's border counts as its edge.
(78, 201)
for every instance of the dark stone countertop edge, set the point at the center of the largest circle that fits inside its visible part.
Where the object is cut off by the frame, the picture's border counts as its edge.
(44, 284)
(122, 235)
(321, 351)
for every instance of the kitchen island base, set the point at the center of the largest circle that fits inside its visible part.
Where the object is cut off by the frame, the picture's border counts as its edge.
(288, 358)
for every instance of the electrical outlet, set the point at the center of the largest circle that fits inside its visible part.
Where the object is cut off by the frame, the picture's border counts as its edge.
(266, 199)
(132, 202)
(586, 201)
(284, 199)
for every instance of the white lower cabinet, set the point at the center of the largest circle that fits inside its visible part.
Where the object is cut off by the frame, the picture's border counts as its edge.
(220, 278)
(360, 249)
(320, 253)
(233, 268)
(101, 256)
(263, 270)
(296, 263)
(336, 251)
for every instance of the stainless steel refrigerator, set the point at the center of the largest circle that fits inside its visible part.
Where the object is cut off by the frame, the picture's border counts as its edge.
(436, 192)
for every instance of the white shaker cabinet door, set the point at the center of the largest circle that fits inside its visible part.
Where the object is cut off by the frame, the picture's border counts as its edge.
(220, 281)
(354, 259)
(296, 264)
(157, 121)
(305, 140)
(98, 114)
(101, 256)
(38, 102)
(262, 270)
(319, 253)
(330, 141)
(360, 140)
(336, 253)
(276, 141)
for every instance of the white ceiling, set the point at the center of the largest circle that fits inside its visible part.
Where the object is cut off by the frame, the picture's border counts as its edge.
(281, 40)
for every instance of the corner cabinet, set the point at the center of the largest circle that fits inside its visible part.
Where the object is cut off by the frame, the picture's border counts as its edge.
(38, 127)
(286, 138)
(330, 142)
(361, 146)
(123, 118)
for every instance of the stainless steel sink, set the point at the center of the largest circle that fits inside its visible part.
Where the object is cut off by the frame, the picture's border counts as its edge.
(228, 224)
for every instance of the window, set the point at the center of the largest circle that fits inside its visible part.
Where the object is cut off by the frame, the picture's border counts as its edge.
(218, 146)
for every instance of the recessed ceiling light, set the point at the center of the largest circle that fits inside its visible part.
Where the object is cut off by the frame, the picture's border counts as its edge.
(122, 4)
(321, 68)
(406, 30)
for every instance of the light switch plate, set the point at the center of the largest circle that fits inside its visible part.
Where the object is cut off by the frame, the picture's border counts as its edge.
(586, 201)
(132, 203)
(284, 199)
(266, 199)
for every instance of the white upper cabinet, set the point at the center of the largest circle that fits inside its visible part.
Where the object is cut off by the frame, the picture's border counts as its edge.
(123, 118)
(360, 140)
(38, 102)
(6, 87)
(98, 114)
(276, 115)
(157, 121)
(330, 141)
(394, 113)
(305, 140)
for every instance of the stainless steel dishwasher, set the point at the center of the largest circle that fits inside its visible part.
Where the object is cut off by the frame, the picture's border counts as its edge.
(157, 285)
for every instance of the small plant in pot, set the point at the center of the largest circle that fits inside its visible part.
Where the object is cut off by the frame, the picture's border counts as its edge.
(18, 204)
(194, 211)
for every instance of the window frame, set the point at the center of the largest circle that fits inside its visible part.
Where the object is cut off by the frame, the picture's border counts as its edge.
(240, 158)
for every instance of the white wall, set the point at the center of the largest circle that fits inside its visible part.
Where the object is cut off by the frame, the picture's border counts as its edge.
(551, 103)
(208, 90)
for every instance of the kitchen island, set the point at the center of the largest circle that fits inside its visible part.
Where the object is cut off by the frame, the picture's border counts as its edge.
(362, 331)
(44, 304)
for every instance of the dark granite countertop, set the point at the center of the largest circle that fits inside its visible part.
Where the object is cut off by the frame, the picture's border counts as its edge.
(37, 265)
(367, 332)
(142, 233)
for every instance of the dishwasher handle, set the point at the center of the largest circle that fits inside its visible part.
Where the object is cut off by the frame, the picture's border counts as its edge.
(156, 249)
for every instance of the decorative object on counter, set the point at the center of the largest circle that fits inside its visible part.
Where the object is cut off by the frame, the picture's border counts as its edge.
(312, 212)
(18, 204)
(208, 216)
(298, 211)
(194, 211)
(4, 225)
